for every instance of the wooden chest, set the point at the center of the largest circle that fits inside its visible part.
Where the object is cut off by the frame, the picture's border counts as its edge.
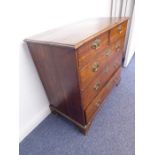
(78, 65)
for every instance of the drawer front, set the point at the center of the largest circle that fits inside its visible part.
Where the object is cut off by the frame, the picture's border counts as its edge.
(88, 51)
(119, 45)
(96, 103)
(91, 70)
(98, 83)
(118, 32)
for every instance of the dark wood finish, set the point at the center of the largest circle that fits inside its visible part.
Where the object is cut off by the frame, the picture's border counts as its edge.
(87, 73)
(92, 90)
(84, 56)
(59, 77)
(76, 34)
(97, 102)
(78, 66)
(118, 32)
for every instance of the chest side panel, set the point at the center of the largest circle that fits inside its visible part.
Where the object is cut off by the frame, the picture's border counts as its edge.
(56, 66)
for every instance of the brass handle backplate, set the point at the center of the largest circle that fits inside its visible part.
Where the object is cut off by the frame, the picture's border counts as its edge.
(95, 67)
(98, 103)
(96, 44)
(106, 70)
(119, 28)
(115, 65)
(108, 52)
(118, 48)
(97, 85)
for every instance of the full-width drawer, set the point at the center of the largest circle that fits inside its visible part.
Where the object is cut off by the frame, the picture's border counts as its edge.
(98, 83)
(92, 69)
(118, 32)
(88, 51)
(96, 103)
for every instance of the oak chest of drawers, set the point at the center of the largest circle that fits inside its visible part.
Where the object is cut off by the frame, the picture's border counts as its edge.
(78, 65)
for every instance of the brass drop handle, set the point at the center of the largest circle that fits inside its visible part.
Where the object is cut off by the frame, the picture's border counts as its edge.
(108, 52)
(98, 103)
(115, 65)
(119, 28)
(97, 86)
(96, 44)
(95, 67)
(118, 48)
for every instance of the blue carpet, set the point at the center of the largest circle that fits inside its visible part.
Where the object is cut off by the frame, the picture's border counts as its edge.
(111, 133)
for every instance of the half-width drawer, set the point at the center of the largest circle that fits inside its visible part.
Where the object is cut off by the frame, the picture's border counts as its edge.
(118, 32)
(119, 45)
(88, 51)
(98, 83)
(96, 103)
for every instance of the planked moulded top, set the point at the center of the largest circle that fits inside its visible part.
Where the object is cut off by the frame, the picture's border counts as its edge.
(76, 34)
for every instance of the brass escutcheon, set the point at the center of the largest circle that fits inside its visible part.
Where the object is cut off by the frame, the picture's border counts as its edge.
(95, 67)
(97, 85)
(96, 44)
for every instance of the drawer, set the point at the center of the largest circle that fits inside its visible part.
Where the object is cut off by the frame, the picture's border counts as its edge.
(92, 69)
(96, 103)
(118, 32)
(98, 83)
(118, 46)
(122, 40)
(88, 51)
